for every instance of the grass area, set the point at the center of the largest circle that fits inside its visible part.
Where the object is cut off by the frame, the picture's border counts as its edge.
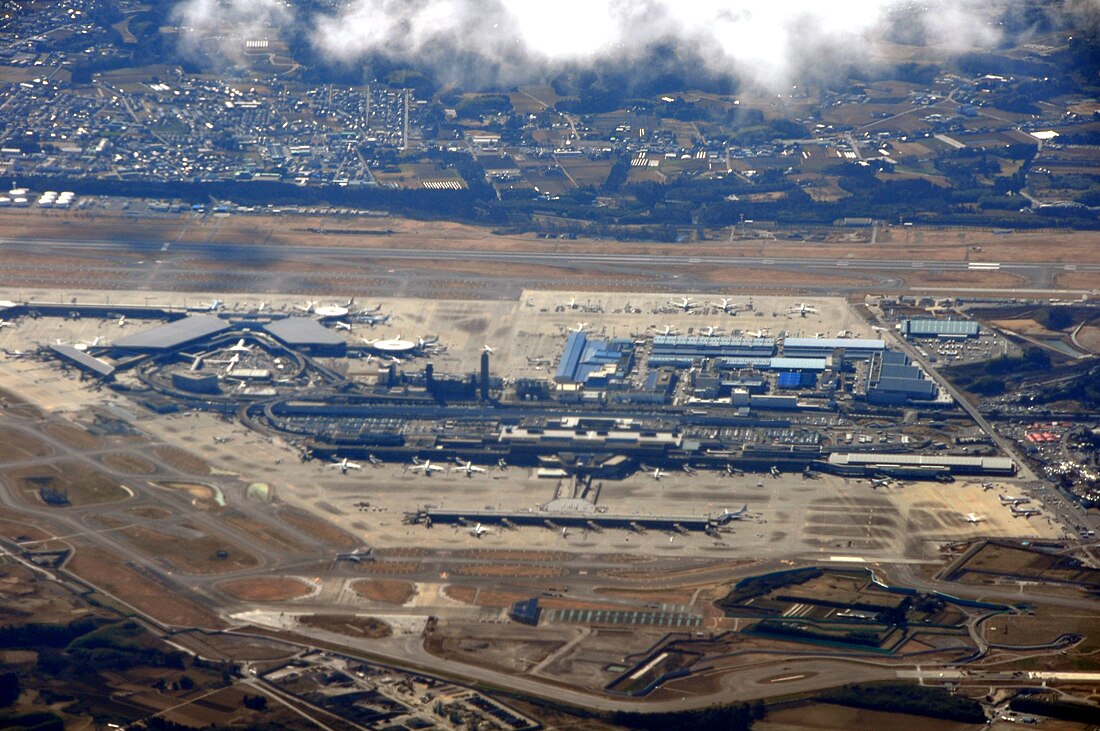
(265, 589)
(385, 591)
(72, 481)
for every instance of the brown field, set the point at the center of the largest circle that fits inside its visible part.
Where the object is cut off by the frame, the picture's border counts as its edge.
(1025, 327)
(204, 495)
(1089, 338)
(385, 591)
(129, 464)
(352, 625)
(491, 554)
(150, 512)
(167, 604)
(518, 570)
(18, 406)
(389, 567)
(1077, 280)
(464, 594)
(263, 533)
(265, 589)
(73, 436)
(16, 445)
(22, 530)
(182, 460)
(318, 528)
(82, 484)
(661, 574)
(665, 596)
(197, 555)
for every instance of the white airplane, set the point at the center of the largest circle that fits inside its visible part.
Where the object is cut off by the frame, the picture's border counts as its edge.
(565, 532)
(684, 303)
(572, 303)
(84, 345)
(727, 515)
(761, 333)
(803, 309)
(581, 327)
(469, 468)
(479, 530)
(427, 467)
(667, 330)
(711, 330)
(262, 306)
(309, 306)
(656, 473)
(375, 462)
(1010, 500)
(5, 323)
(122, 321)
(880, 482)
(775, 471)
(972, 518)
(987, 486)
(240, 347)
(212, 306)
(487, 348)
(357, 556)
(340, 325)
(1019, 512)
(344, 465)
(726, 304)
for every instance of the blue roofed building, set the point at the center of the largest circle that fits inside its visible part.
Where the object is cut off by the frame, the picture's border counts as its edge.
(595, 363)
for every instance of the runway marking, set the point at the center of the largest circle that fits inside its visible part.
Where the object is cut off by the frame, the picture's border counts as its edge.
(847, 559)
(787, 678)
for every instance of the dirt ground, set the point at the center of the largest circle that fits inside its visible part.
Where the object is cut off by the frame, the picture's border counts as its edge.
(110, 573)
(197, 555)
(348, 624)
(318, 528)
(129, 463)
(385, 591)
(15, 445)
(265, 589)
(81, 484)
(182, 460)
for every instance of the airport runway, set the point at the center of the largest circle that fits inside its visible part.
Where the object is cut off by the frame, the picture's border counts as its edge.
(172, 265)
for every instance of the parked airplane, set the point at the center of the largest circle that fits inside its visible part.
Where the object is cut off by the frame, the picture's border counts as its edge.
(341, 325)
(309, 306)
(761, 333)
(581, 327)
(122, 321)
(487, 348)
(1024, 512)
(212, 306)
(972, 518)
(987, 486)
(373, 320)
(877, 482)
(775, 471)
(479, 530)
(240, 347)
(344, 465)
(655, 472)
(711, 330)
(427, 467)
(684, 303)
(469, 468)
(728, 515)
(1011, 500)
(5, 323)
(85, 344)
(375, 462)
(726, 304)
(667, 330)
(803, 309)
